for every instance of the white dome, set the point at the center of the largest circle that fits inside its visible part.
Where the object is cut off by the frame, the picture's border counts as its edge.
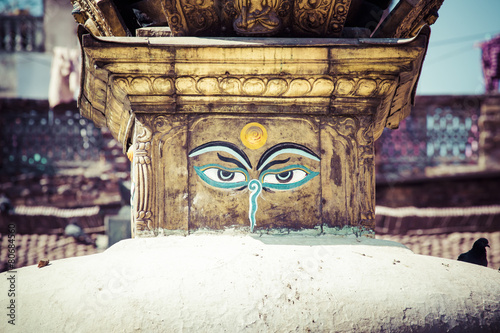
(242, 283)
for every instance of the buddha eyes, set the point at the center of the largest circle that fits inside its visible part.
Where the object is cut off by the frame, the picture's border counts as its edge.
(278, 179)
(287, 178)
(222, 177)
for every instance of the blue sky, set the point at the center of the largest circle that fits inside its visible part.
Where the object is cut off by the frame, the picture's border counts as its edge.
(453, 62)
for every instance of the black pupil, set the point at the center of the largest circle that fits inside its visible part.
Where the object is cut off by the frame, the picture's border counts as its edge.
(284, 177)
(225, 175)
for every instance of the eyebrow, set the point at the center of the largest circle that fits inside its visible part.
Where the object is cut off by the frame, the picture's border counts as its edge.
(285, 148)
(223, 146)
(268, 165)
(230, 160)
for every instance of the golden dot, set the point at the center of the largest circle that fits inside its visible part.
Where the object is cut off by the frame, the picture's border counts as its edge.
(253, 135)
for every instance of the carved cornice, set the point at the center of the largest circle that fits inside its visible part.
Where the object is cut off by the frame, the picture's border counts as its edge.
(315, 86)
(324, 76)
(145, 85)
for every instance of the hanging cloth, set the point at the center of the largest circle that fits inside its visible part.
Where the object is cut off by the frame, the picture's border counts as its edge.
(64, 76)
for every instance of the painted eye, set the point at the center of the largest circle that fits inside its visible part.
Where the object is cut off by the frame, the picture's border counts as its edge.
(226, 176)
(219, 176)
(287, 178)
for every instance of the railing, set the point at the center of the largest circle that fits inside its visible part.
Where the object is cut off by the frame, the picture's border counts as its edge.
(441, 131)
(21, 33)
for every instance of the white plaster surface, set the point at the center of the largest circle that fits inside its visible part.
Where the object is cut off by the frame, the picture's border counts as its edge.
(239, 283)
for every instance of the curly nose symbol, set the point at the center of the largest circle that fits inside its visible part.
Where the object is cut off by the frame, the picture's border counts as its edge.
(255, 188)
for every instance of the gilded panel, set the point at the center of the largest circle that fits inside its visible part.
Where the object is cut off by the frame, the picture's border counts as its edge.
(257, 172)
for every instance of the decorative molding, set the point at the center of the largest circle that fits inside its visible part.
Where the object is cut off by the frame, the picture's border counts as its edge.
(317, 86)
(309, 78)
(145, 85)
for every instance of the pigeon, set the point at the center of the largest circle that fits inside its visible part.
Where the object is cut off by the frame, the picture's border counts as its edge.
(74, 230)
(477, 255)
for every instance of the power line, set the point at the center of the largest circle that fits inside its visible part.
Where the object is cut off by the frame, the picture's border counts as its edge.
(461, 39)
(459, 51)
(448, 55)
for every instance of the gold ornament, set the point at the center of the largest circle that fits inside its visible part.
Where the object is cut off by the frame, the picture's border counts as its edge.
(253, 135)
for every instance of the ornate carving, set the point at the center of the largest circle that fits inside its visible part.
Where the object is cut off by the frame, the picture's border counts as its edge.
(176, 20)
(101, 18)
(192, 17)
(142, 176)
(257, 17)
(290, 18)
(408, 17)
(163, 125)
(338, 17)
(285, 8)
(320, 17)
(425, 12)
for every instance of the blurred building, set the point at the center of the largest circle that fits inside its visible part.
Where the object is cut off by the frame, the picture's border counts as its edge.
(491, 63)
(56, 168)
(438, 176)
